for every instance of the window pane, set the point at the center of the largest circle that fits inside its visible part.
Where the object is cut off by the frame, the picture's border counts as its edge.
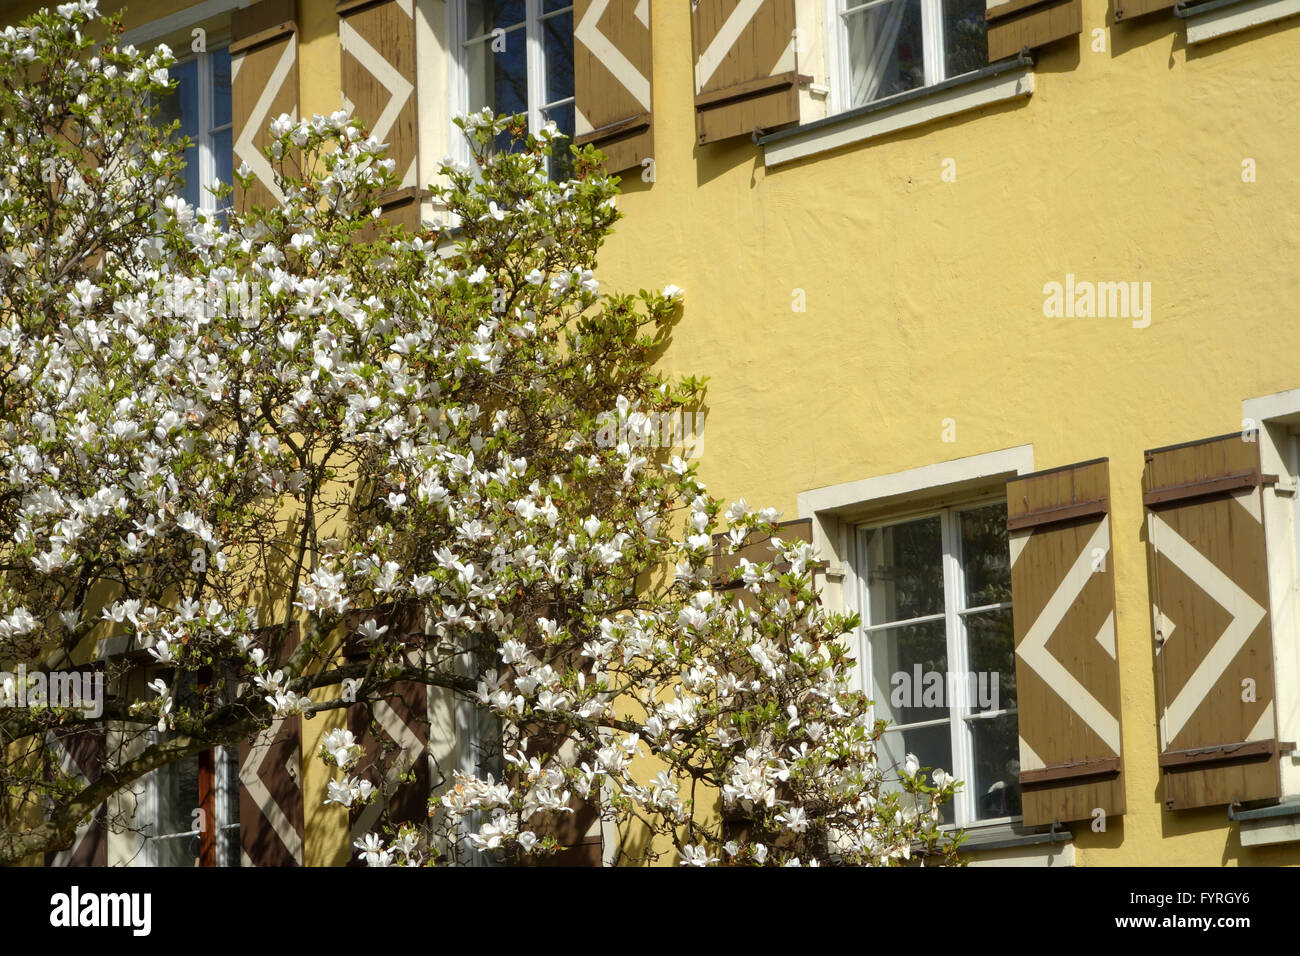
(228, 848)
(932, 746)
(549, 6)
(183, 102)
(191, 176)
(904, 570)
(223, 155)
(558, 41)
(965, 36)
(909, 671)
(220, 88)
(482, 16)
(886, 54)
(498, 80)
(561, 158)
(991, 651)
(985, 560)
(177, 789)
(996, 778)
(182, 105)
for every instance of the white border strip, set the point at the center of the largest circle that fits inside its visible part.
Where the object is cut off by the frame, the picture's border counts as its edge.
(950, 102)
(1018, 460)
(1234, 19)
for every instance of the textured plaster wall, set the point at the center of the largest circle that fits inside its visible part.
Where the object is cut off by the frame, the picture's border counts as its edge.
(925, 300)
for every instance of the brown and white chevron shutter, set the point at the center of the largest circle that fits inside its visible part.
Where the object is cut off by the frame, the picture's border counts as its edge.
(757, 549)
(394, 732)
(377, 51)
(1015, 25)
(264, 84)
(746, 75)
(80, 752)
(1210, 605)
(611, 51)
(401, 724)
(1067, 675)
(270, 789)
(578, 833)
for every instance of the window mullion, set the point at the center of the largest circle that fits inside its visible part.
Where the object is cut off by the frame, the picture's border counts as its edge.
(932, 38)
(862, 677)
(958, 706)
(536, 66)
(207, 161)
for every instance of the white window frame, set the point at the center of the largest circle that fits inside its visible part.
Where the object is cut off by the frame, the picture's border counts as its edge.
(932, 36)
(960, 707)
(207, 133)
(225, 801)
(838, 510)
(207, 171)
(1276, 421)
(535, 58)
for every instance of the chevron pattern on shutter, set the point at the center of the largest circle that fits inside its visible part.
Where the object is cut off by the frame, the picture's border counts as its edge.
(611, 51)
(1015, 25)
(81, 753)
(393, 731)
(377, 50)
(1067, 675)
(1128, 9)
(396, 741)
(264, 84)
(746, 75)
(1210, 611)
(270, 788)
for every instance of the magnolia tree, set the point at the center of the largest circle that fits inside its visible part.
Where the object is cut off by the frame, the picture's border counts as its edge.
(215, 425)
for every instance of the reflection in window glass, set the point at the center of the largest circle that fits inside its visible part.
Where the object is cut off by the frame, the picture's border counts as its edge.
(885, 44)
(525, 68)
(200, 103)
(886, 52)
(945, 681)
(904, 571)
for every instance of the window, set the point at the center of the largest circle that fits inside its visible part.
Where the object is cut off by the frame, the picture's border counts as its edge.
(201, 103)
(516, 56)
(938, 649)
(191, 806)
(186, 797)
(891, 46)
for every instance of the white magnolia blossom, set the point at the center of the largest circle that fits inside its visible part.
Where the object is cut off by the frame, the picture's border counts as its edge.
(390, 439)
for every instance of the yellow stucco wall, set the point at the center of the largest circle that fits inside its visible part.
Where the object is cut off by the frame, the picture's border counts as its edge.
(924, 300)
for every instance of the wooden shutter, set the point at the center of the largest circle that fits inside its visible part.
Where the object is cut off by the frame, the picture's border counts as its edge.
(1015, 25)
(746, 75)
(377, 68)
(577, 833)
(1067, 675)
(264, 84)
(394, 732)
(1128, 9)
(1210, 609)
(757, 549)
(80, 752)
(611, 63)
(270, 788)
